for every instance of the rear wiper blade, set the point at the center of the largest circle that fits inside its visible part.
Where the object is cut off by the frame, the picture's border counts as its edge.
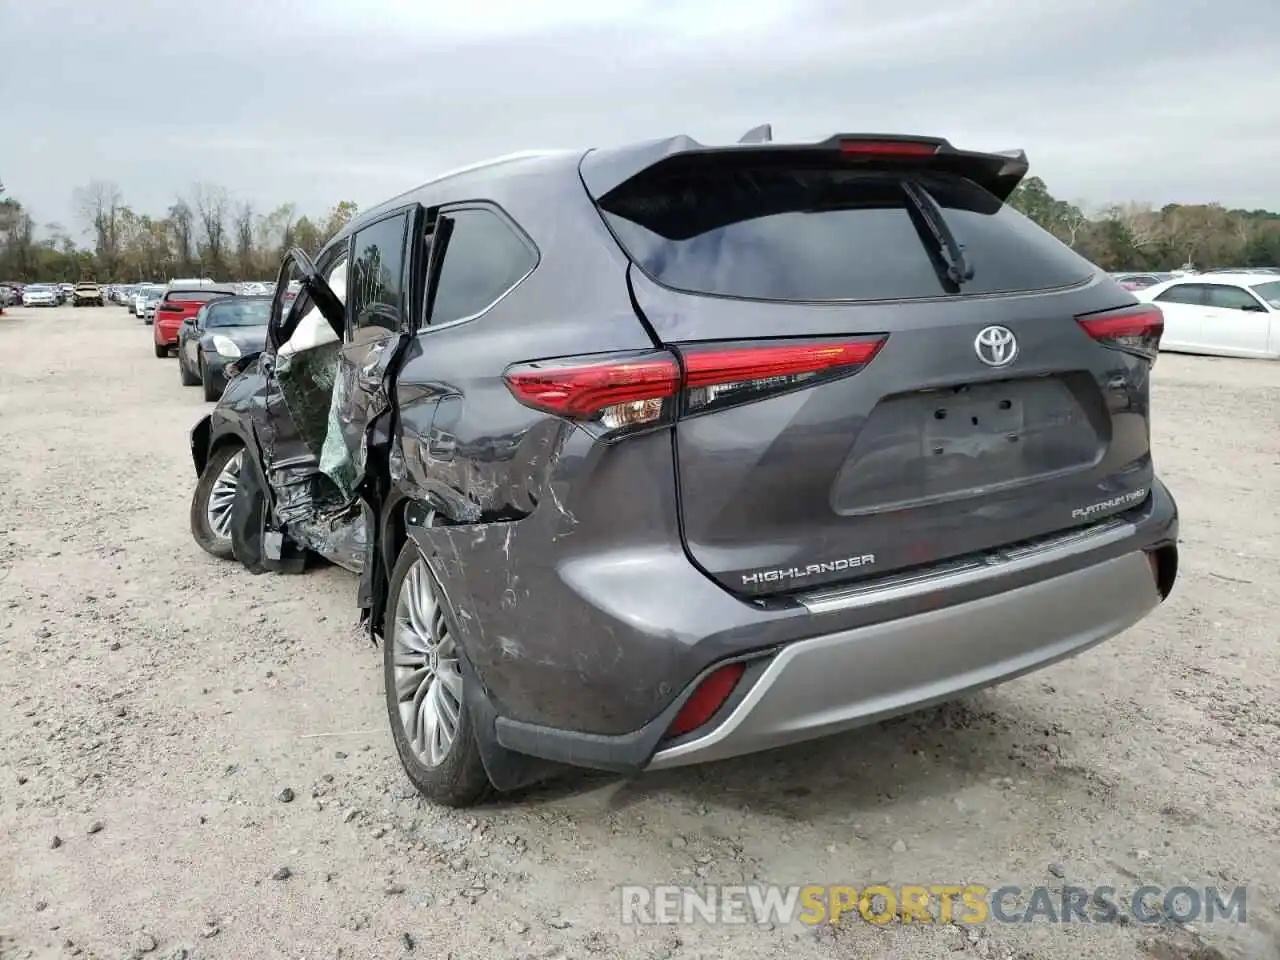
(952, 253)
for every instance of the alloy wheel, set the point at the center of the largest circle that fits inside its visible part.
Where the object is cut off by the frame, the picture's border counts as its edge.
(222, 497)
(428, 674)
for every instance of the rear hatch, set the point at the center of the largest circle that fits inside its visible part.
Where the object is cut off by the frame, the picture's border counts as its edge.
(884, 365)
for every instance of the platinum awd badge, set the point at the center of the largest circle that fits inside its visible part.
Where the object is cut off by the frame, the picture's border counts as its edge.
(798, 573)
(1124, 500)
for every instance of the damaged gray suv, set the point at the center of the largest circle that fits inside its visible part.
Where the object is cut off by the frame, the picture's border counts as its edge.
(668, 453)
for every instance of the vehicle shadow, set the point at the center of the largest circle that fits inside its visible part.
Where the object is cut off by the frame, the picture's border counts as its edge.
(936, 752)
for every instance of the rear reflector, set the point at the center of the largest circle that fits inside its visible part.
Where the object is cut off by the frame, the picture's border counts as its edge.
(887, 149)
(1134, 329)
(625, 391)
(709, 697)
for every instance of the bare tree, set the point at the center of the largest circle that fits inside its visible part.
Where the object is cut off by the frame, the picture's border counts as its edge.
(182, 223)
(245, 253)
(212, 204)
(1073, 219)
(278, 230)
(1142, 223)
(99, 205)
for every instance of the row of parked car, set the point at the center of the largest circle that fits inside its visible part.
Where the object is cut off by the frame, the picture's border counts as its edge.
(1142, 280)
(84, 294)
(209, 326)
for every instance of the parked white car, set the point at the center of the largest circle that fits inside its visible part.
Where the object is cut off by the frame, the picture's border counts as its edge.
(40, 295)
(1219, 314)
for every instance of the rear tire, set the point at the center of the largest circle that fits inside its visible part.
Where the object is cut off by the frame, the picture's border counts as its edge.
(188, 378)
(457, 778)
(211, 540)
(161, 351)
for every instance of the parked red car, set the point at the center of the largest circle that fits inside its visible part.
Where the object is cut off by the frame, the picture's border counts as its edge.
(177, 304)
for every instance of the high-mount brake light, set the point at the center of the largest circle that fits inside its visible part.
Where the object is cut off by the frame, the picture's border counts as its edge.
(625, 392)
(887, 149)
(1132, 329)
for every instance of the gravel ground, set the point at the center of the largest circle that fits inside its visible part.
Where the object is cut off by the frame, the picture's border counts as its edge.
(194, 760)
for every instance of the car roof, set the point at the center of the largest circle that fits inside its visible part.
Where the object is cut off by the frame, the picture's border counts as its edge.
(608, 167)
(254, 298)
(459, 179)
(1237, 279)
(202, 288)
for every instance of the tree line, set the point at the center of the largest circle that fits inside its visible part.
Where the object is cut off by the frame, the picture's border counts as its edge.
(1138, 236)
(205, 232)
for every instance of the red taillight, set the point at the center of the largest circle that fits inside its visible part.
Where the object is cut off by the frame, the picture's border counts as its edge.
(1133, 329)
(625, 391)
(708, 698)
(720, 376)
(887, 148)
(755, 363)
(586, 389)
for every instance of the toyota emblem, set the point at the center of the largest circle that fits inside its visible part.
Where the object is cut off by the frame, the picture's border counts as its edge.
(995, 346)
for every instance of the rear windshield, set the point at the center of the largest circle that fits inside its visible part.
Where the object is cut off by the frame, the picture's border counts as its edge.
(239, 313)
(195, 296)
(821, 234)
(1269, 292)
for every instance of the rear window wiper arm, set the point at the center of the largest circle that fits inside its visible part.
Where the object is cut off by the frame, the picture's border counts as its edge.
(952, 253)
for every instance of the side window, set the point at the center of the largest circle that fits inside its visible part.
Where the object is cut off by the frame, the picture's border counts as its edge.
(376, 303)
(486, 258)
(313, 329)
(1191, 293)
(1231, 298)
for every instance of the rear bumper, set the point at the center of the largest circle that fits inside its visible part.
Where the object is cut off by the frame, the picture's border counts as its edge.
(588, 658)
(844, 680)
(166, 332)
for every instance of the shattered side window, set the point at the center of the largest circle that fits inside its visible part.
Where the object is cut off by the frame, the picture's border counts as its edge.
(307, 366)
(313, 330)
(335, 458)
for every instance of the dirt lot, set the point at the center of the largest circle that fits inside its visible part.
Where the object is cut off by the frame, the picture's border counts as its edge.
(155, 705)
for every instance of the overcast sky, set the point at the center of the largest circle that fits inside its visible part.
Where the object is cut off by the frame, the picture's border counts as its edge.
(314, 101)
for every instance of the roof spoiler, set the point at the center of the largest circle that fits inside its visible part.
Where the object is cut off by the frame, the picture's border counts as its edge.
(760, 134)
(999, 173)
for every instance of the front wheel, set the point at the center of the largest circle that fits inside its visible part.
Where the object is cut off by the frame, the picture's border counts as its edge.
(187, 378)
(423, 682)
(213, 500)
